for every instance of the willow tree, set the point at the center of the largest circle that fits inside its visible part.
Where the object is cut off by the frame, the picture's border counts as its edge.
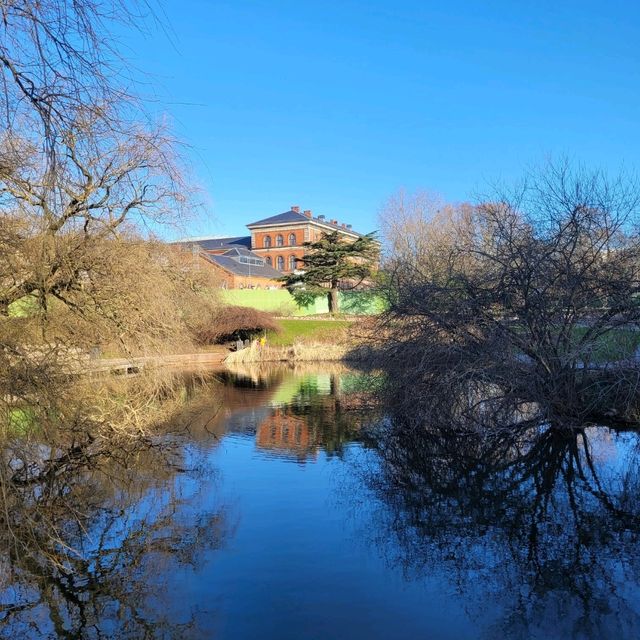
(331, 264)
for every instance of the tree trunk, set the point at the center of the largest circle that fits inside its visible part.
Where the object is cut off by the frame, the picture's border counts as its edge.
(333, 298)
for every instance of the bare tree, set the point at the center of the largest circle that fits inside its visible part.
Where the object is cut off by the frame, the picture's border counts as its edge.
(85, 177)
(104, 184)
(60, 56)
(533, 285)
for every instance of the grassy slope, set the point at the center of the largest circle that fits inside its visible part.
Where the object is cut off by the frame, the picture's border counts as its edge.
(308, 331)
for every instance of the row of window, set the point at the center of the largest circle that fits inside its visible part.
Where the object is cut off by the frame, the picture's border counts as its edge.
(280, 263)
(279, 241)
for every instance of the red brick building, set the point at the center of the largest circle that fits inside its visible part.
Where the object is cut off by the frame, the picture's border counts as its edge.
(270, 251)
(279, 239)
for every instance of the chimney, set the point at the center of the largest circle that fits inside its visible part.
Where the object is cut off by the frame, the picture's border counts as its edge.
(334, 222)
(349, 226)
(307, 213)
(344, 226)
(295, 208)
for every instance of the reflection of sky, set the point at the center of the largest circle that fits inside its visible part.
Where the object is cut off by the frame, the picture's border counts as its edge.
(296, 566)
(299, 563)
(308, 551)
(313, 555)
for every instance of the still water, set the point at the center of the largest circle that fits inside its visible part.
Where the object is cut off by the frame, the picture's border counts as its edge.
(278, 510)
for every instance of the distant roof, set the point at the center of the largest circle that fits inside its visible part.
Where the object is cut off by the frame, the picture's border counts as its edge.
(209, 244)
(296, 216)
(237, 250)
(231, 264)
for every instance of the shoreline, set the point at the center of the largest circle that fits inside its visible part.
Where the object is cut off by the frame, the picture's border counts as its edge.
(301, 352)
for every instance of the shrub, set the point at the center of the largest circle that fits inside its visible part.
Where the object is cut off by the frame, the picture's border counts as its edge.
(232, 323)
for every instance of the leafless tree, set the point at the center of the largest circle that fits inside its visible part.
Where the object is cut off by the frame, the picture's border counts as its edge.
(61, 56)
(531, 288)
(85, 179)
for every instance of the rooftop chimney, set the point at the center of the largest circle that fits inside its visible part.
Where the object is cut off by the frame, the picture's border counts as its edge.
(344, 226)
(334, 222)
(295, 208)
(307, 213)
(349, 226)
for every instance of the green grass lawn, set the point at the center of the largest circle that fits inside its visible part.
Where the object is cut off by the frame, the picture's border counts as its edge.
(616, 345)
(308, 331)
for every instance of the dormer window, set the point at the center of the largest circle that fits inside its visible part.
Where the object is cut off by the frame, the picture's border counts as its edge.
(279, 241)
(267, 242)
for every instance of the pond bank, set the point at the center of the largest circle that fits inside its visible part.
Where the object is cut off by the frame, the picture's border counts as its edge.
(303, 352)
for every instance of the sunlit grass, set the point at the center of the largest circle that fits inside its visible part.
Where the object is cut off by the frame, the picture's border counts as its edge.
(294, 330)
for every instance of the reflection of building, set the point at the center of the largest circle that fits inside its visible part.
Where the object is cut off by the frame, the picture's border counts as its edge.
(282, 430)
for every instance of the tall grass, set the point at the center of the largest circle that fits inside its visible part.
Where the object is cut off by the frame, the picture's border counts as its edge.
(299, 352)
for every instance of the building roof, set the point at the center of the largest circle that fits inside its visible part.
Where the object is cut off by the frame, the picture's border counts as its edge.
(232, 264)
(291, 216)
(237, 250)
(209, 244)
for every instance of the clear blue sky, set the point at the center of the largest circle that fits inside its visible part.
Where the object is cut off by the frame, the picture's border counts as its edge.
(335, 105)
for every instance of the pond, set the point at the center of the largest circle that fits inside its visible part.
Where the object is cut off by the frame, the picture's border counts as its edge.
(280, 509)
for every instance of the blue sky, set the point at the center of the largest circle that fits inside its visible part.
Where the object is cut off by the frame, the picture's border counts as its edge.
(334, 106)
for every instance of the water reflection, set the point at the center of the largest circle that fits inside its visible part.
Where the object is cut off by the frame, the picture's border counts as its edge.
(97, 539)
(248, 515)
(537, 526)
(105, 572)
(306, 412)
(92, 535)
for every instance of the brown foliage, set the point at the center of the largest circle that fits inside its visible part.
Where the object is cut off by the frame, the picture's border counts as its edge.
(232, 322)
(83, 176)
(132, 296)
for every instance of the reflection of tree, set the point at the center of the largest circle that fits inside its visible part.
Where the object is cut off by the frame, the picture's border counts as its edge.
(114, 588)
(93, 527)
(527, 517)
(97, 566)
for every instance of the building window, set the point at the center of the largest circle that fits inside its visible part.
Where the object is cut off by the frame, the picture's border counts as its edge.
(292, 263)
(280, 263)
(256, 261)
(269, 262)
(267, 242)
(292, 239)
(279, 241)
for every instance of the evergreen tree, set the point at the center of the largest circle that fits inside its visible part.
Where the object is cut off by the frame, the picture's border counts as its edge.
(332, 263)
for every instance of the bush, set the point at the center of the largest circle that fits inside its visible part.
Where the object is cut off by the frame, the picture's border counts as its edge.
(232, 323)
